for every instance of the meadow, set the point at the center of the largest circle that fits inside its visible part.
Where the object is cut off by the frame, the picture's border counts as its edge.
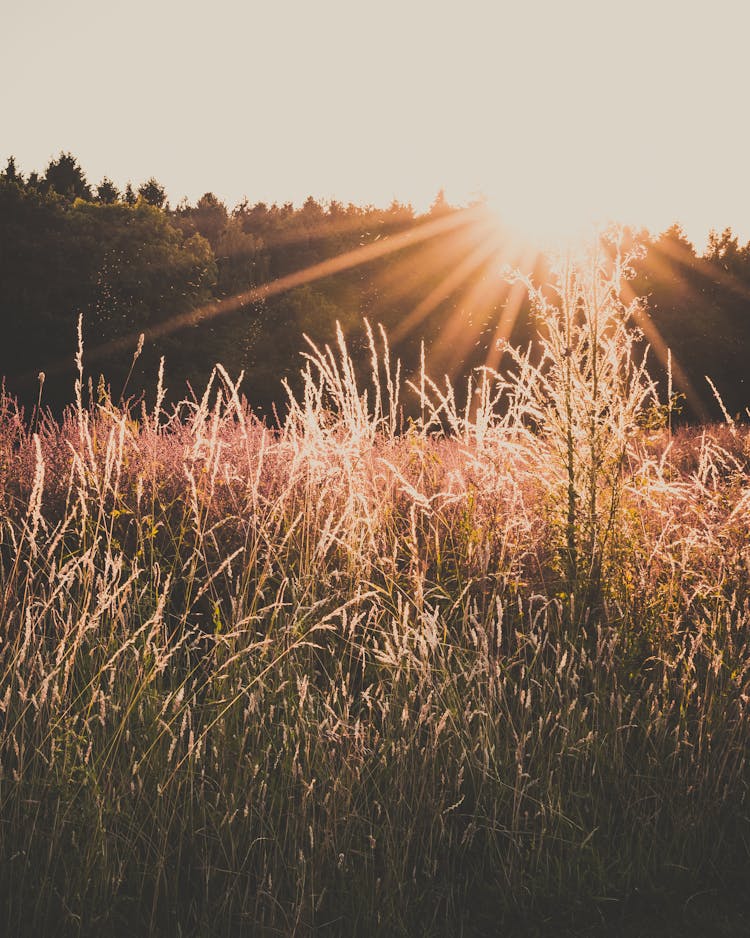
(481, 671)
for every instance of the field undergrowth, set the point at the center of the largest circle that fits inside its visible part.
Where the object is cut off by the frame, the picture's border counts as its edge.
(485, 672)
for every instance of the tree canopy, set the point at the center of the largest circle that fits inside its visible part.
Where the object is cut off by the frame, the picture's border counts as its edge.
(190, 279)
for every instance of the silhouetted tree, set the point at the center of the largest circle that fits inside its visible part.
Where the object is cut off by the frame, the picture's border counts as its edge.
(66, 177)
(312, 210)
(153, 193)
(208, 217)
(723, 250)
(107, 192)
(11, 173)
(440, 204)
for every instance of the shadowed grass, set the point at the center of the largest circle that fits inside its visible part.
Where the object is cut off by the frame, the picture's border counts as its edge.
(337, 679)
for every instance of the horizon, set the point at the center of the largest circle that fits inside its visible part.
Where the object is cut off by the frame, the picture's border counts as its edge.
(525, 234)
(561, 117)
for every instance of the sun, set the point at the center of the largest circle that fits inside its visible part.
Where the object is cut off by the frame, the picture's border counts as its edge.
(544, 218)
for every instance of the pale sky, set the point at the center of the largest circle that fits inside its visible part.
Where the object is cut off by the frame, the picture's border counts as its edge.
(562, 111)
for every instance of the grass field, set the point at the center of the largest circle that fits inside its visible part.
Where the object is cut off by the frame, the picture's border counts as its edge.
(484, 672)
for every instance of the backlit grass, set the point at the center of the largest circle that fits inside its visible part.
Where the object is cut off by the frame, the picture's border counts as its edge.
(362, 676)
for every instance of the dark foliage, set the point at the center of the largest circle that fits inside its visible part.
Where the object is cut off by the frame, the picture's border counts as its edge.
(129, 265)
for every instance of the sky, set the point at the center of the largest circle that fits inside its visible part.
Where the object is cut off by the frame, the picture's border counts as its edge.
(561, 112)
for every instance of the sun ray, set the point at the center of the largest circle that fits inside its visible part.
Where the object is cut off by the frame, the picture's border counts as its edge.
(665, 254)
(408, 272)
(462, 332)
(511, 309)
(705, 268)
(443, 290)
(349, 259)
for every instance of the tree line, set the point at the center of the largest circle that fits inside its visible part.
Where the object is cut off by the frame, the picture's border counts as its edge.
(129, 263)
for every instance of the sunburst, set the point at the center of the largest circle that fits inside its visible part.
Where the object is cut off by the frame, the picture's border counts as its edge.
(468, 252)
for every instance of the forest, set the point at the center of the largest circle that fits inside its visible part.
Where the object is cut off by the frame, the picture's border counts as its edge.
(130, 264)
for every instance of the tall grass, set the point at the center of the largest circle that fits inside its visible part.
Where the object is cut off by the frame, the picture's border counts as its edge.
(325, 678)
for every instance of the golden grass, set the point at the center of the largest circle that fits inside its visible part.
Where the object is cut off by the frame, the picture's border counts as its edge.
(356, 677)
